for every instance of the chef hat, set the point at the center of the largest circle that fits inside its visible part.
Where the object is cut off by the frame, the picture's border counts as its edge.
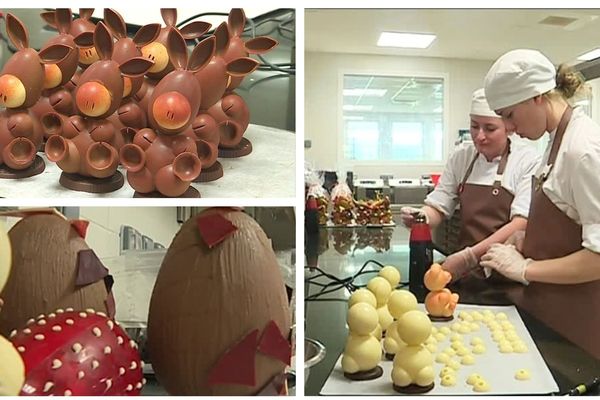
(479, 105)
(517, 76)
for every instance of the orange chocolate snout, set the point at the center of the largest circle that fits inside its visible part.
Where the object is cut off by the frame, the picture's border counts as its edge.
(171, 110)
(158, 53)
(93, 99)
(88, 55)
(52, 76)
(12, 91)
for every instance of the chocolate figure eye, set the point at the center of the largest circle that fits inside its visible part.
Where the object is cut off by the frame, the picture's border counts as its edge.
(12, 91)
(52, 76)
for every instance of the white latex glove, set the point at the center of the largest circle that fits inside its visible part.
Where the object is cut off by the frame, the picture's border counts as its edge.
(505, 259)
(516, 239)
(407, 215)
(461, 263)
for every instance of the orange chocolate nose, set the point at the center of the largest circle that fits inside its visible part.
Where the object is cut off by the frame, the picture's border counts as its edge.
(126, 86)
(93, 99)
(171, 110)
(158, 53)
(12, 91)
(52, 76)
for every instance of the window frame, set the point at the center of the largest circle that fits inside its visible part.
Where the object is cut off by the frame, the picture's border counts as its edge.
(345, 163)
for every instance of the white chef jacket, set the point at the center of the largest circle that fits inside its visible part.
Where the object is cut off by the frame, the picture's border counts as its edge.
(522, 163)
(574, 182)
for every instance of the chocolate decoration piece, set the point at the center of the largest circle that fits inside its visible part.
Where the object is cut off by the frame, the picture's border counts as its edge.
(413, 389)
(215, 228)
(80, 227)
(236, 366)
(21, 82)
(36, 168)
(365, 375)
(43, 278)
(165, 159)
(242, 149)
(89, 268)
(273, 344)
(190, 193)
(211, 173)
(440, 319)
(237, 286)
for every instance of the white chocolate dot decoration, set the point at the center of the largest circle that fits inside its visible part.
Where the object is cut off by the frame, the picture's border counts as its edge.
(478, 349)
(448, 380)
(472, 378)
(442, 358)
(522, 375)
(481, 386)
(501, 316)
(440, 337)
(463, 351)
(447, 371)
(506, 348)
(445, 330)
(456, 337)
(455, 365)
(450, 351)
(468, 360)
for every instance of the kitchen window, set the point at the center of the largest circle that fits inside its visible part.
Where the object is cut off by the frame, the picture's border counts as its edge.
(393, 118)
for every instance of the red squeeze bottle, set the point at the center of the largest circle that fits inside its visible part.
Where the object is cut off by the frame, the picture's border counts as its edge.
(311, 216)
(421, 255)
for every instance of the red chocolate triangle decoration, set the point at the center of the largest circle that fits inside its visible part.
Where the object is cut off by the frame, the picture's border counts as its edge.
(237, 365)
(80, 226)
(273, 344)
(215, 228)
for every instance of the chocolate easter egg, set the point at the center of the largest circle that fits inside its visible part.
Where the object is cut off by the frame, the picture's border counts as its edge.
(219, 316)
(52, 268)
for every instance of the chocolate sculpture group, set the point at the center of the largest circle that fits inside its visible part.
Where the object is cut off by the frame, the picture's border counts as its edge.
(143, 102)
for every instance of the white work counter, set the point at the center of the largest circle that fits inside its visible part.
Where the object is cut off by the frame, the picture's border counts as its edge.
(268, 172)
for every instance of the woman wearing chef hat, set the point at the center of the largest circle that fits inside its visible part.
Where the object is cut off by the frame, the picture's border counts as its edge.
(562, 239)
(490, 180)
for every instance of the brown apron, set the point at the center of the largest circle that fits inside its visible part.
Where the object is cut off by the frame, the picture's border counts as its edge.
(550, 232)
(570, 310)
(483, 209)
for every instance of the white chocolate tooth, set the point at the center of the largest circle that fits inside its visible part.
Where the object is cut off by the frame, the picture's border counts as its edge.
(80, 375)
(133, 344)
(40, 316)
(95, 364)
(27, 331)
(30, 321)
(119, 340)
(108, 384)
(13, 333)
(77, 347)
(21, 349)
(49, 385)
(107, 350)
(56, 363)
(133, 365)
(39, 337)
(138, 385)
(68, 392)
(70, 309)
(97, 332)
(144, 381)
(129, 388)
(110, 324)
(56, 328)
(51, 315)
(90, 310)
(121, 371)
(100, 313)
(83, 315)
(70, 322)
(41, 322)
(60, 311)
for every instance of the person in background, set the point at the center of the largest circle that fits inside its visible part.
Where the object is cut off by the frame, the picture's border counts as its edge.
(562, 240)
(490, 180)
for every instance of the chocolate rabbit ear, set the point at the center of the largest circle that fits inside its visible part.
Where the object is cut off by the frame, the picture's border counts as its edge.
(195, 30)
(103, 41)
(84, 39)
(202, 54)
(222, 37)
(63, 18)
(169, 15)
(17, 32)
(242, 66)
(55, 53)
(237, 21)
(260, 45)
(86, 13)
(146, 35)
(50, 18)
(177, 49)
(136, 66)
(115, 22)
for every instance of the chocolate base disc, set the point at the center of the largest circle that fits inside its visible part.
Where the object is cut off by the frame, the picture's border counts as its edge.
(440, 319)
(365, 375)
(89, 184)
(243, 148)
(413, 389)
(389, 356)
(36, 168)
(191, 193)
(211, 173)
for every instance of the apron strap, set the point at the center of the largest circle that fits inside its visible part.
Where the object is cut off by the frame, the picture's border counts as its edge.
(501, 167)
(560, 132)
(467, 174)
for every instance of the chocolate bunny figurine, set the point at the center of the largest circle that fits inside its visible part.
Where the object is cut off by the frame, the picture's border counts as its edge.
(214, 80)
(157, 51)
(55, 97)
(129, 114)
(232, 109)
(21, 83)
(164, 159)
(86, 146)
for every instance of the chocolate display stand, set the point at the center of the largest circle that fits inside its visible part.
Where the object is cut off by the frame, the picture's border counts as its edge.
(190, 193)
(211, 173)
(86, 146)
(413, 389)
(365, 375)
(21, 83)
(165, 158)
(241, 149)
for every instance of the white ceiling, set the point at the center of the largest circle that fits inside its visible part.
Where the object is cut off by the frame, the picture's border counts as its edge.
(461, 33)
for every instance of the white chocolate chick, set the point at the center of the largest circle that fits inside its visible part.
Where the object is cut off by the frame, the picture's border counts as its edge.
(365, 296)
(12, 370)
(413, 363)
(363, 350)
(391, 274)
(382, 290)
(399, 303)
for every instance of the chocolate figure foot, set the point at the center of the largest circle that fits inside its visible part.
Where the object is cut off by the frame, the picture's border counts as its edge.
(36, 168)
(211, 173)
(242, 149)
(92, 185)
(413, 389)
(440, 319)
(191, 193)
(365, 375)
